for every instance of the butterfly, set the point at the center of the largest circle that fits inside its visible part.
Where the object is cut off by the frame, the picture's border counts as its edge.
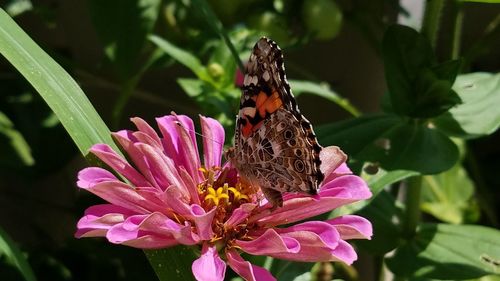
(275, 147)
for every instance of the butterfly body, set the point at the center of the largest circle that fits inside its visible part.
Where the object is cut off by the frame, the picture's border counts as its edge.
(275, 147)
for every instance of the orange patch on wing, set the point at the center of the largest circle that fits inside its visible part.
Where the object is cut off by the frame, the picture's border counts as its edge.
(263, 104)
(246, 130)
(268, 104)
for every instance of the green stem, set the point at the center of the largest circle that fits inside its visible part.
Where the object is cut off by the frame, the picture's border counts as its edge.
(129, 86)
(457, 30)
(412, 206)
(216, 24)
(432, 17)
(127, 89)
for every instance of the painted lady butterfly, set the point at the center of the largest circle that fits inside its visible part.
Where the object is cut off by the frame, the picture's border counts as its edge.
(275, 147)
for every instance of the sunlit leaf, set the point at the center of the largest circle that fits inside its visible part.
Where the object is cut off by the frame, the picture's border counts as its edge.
(448, 252)
(448, 196)
(478, 114)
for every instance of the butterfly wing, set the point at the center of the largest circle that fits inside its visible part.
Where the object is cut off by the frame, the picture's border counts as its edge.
(275, 145)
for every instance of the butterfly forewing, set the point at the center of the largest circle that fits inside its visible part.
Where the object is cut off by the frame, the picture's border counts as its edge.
(275, 145)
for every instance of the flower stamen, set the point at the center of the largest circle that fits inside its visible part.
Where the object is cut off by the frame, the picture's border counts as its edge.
(216, 195)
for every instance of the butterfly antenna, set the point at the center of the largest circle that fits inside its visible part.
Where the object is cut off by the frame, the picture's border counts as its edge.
(178, 123)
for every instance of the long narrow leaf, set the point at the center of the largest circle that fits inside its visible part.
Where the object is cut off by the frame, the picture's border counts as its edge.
(14, 256)
(54, 84)
(300, 87)
(180, 55)
(69, 103)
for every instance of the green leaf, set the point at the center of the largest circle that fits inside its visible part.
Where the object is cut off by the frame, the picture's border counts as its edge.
(14, 256)
(488, 278)
(322, 90)
(418, 87)
(289, 270)
(392, 142)
(14, 149)
(376, 183)
(405, 53)
(482, 1)
(478, 115)
(56, 87)
(172, 264)
(192, 87)
(448, 252)
(448, 196)
(123, 27)
(382, 212)
(184, 57)
(355, 134)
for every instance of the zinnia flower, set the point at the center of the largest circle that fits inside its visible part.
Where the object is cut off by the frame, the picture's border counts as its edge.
(164, 196)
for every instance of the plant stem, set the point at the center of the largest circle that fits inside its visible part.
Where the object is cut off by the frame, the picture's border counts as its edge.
(457, 30)
(128, 88)
(412, 206)
(432, 17)
(216, 24)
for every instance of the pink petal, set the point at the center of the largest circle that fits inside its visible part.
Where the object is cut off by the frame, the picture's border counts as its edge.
(127, 142)
(191, 186)
(317, 240)
(203, 221)
(99, 218)
(296, 207)
(89, 177)
(117, 163)
(157, 224)
(180, 142)
(344, 252)
(352, 227)
(144, 127)
(269, 243)
(118, 235)
(247, 270)
(209, 267)
(162, 168)
(312, 230)
(331, 158)
(151, 231)
(240, 214)
(213, 140)
(123, 195)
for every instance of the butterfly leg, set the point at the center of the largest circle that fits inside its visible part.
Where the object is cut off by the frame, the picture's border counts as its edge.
(274, 197)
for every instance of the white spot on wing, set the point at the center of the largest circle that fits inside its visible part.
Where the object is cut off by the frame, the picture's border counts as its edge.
(266, 76)
(246, 81)
(254, 80)
(250, 111)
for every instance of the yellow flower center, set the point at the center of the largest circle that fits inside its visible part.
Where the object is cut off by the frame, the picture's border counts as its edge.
(217, 192)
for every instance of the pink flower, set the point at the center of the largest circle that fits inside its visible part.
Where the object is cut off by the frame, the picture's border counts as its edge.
(164, 195)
